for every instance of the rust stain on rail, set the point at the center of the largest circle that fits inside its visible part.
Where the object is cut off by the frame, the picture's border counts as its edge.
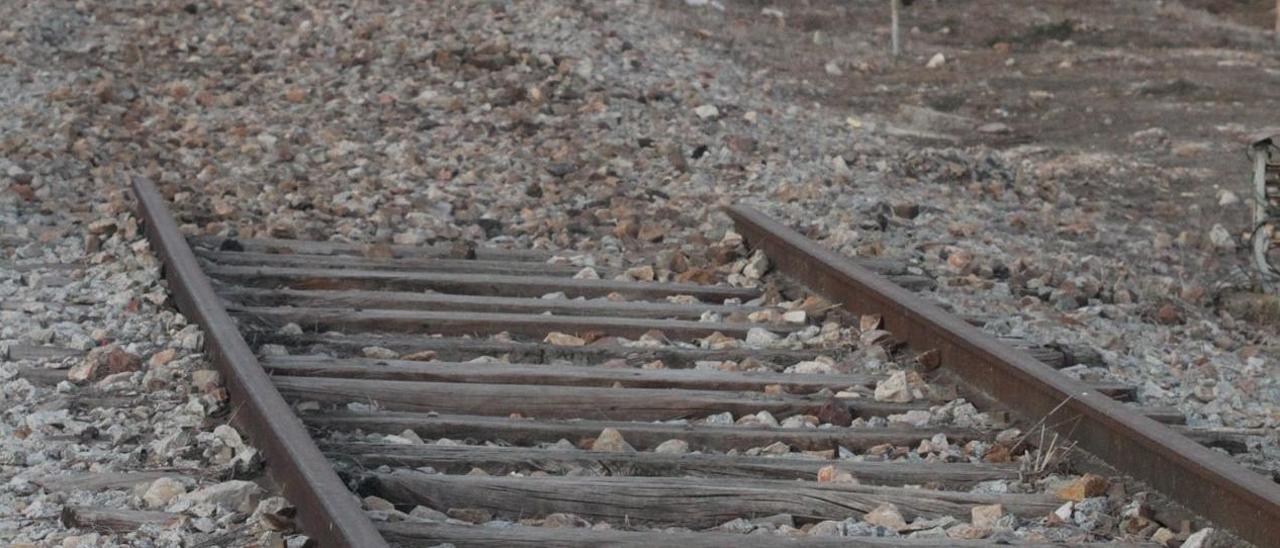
(1204, 481)
(327, 511)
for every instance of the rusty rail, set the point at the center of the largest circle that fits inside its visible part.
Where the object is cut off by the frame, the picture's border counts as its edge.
(327, 511)
(1203, 480)
(1196, 477)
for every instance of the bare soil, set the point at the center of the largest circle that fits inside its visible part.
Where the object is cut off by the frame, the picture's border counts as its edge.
(1079, 78)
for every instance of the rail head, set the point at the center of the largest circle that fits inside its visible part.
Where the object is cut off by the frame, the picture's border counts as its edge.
(1205, 481)
(327, 511)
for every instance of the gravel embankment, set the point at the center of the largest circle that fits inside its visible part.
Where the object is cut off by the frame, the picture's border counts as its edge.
(593, 127)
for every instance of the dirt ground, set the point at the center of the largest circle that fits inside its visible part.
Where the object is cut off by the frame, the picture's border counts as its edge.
(1162, 96)
(1060, 167)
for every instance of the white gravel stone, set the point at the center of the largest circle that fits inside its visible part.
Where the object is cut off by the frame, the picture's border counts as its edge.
(760, 337)
(235, 495)
(707, 112)
(162, 491)
(298, 145)
(672, 447)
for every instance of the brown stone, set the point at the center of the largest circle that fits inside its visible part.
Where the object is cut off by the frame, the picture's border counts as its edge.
(626, 229)
(929, 359)
(565, 520)
(679, 262)
(423, 356)
(651, 233)
(1169, 315)
(378, 503)
(1165, 537)
(1088, 486)
(905, 210)
(643, 273)
(104, 361)
(564, 339)
(92, 244)
(206, 380)
(835, 475)
(985, 515)
(23, 191)
(836, 412)
(959, 260)
(470, 515)
(870, 322)
(720, 341)
(886, 515)
(997, 454)
(162, 358)
(814, 306)
(379, 251)
(877, 337)
(610, 440)
(900, 387)
(722, 255)
(697, 276)
(968, 532)
(464, 250)
(1134, 525)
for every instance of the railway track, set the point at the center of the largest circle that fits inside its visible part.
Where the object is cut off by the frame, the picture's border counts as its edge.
(411, 395)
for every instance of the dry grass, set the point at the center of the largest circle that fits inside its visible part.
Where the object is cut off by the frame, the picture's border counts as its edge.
(1254, 307)
(1045, 458)
(1050, 452)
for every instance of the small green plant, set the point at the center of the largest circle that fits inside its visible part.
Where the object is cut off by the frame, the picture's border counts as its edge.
(1043, 32)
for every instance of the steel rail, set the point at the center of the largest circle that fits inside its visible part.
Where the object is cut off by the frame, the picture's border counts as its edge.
(327, 511)
(1199, 478)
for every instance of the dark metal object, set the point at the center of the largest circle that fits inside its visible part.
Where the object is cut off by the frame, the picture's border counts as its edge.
(1204, 481)
(1266, 208)
(327, 511)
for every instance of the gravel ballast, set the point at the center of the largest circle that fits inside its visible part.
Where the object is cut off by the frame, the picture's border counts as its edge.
(611, 128)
